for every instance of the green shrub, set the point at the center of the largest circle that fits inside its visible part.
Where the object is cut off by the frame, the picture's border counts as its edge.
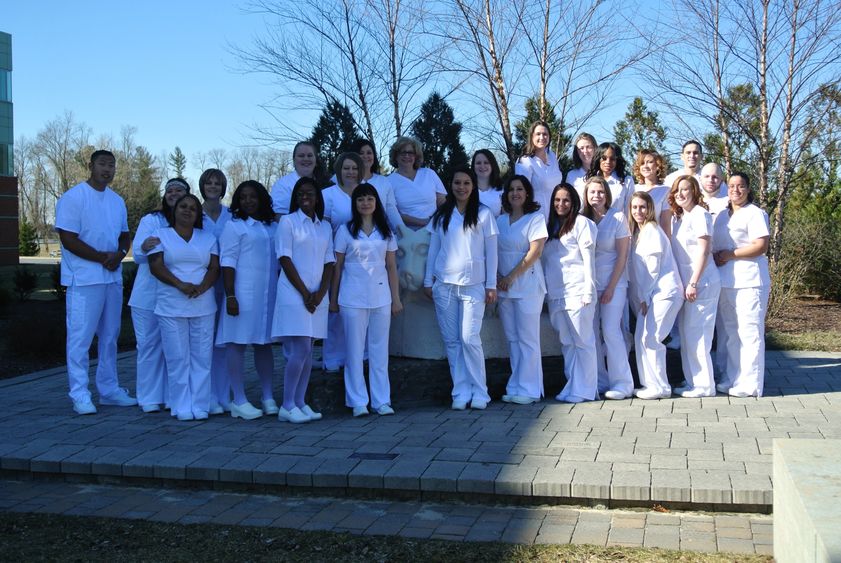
(26, 282)
(28, 239)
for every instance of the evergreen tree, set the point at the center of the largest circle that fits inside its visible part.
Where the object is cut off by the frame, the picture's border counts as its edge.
(139, 184)
(641, 129)
(27, 239)
(334, 133)
(741, 105)
(178, 162)
(440, 134)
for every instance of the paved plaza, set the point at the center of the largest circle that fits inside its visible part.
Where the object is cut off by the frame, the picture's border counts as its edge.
(711, 454)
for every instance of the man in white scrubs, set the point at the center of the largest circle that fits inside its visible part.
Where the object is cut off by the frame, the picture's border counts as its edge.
(691, 155)
(713, 188)
(92, 225)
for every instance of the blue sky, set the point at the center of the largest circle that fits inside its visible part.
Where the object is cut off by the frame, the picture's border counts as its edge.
(162, 67)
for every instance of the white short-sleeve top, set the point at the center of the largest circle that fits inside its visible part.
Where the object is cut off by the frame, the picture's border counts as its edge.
(577, 178)
(98, 217)
(735, 231)
(611, 228)
(718, 202)
(659, 194)
(418, 197)
(364, 277)
(669, 180)
(620, 192)
(216, 227)
(247, 245)
(337, 206)
(386, 192)
(309, 243)
(463, 256)
(491, 198)
(544, 176)
(686, 230)
(513, 243)
(567, 275)
(188, 261)
(653, 272)
(282, 192)
(145, 285)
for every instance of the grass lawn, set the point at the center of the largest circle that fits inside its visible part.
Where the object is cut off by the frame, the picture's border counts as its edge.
(45, 537)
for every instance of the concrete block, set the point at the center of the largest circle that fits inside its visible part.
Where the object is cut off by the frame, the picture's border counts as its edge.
(593, 483)
(442, 476)
(553, 482)
(515, 480)
(752, 489)
(807, 496)
(478, 478)
(670, 485)
(630, 485)
(710, 487)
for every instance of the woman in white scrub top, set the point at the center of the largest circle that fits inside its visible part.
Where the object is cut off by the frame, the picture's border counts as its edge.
(522, 288)
(489, 180)
(609, 164)
(649, 169)
(656, 295)
(613, 240)
(306, 165)
(186, 262)
(692, 229)
(740, 241)
(460, 278)
(582, 157)
(370, 174)
(304, 246)
(569, 265)
(337, 212)
(151, 367)
(366, 288)
(417, 190)
(213, 185)
(540, 165)
(249, 276)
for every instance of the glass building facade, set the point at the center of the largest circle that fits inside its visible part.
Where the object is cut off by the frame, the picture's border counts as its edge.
(7, 134)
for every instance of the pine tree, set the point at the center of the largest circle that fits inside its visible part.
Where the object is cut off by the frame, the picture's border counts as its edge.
(28, 239)
(178, 162)
(440, 134)
(641, 129)
(334, 132)
(560, 140)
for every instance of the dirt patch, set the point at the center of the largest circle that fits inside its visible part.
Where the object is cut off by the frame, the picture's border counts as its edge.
(807, 314)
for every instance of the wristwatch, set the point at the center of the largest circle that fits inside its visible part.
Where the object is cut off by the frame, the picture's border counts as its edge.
(693, 284)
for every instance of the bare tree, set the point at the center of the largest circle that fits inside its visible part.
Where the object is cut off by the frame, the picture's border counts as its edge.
(789, 50)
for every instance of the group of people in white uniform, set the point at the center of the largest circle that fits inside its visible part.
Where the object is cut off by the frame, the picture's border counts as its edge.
(305, 263)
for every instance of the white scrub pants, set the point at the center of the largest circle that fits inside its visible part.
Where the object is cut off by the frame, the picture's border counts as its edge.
(151, 366)
(652, 329)
(743, 316)
(697, 324)
(188, 345)
(459, 309)
(371, 326)
(93, 309)
(333, 351)
(521, 322)
(578, 345)
(611, 345)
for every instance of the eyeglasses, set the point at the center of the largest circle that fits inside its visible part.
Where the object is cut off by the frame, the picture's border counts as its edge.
(406, 153)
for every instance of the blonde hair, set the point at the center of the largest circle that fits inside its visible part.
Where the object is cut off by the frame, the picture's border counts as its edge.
(402, 142)
(650, 216)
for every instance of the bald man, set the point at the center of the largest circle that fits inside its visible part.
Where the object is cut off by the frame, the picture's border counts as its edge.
(713, 188)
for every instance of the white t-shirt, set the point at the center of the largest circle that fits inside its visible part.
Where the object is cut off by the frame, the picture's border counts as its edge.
(513, 243)
(463, 257)
(282, 192)
(543, 177)
(735, 231)
(669, 180)
(492, 198)
(686, 231)
(337, 207)
(309, 243)
(364, 282)
(620, 192)
(660, 196)
(611, 228)
(717, 203)
(188, 261)
(98, 217)
(569, 277)
(145, 285)
(577, 179)
(418, 197)
(653, 272)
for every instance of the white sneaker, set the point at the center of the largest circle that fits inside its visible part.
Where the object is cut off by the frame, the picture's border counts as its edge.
(459, 405)
(311, 414)
(85, 406)
(360, 411)
(693, 393)
(522, 400)
(612, 395)
(478, 405)
(119, 398)
(385, 410)
(647, 394)
(508, 398)
(216, 408)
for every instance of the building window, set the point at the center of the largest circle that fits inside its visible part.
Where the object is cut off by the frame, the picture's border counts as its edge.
(5, 160)
(5, 86)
